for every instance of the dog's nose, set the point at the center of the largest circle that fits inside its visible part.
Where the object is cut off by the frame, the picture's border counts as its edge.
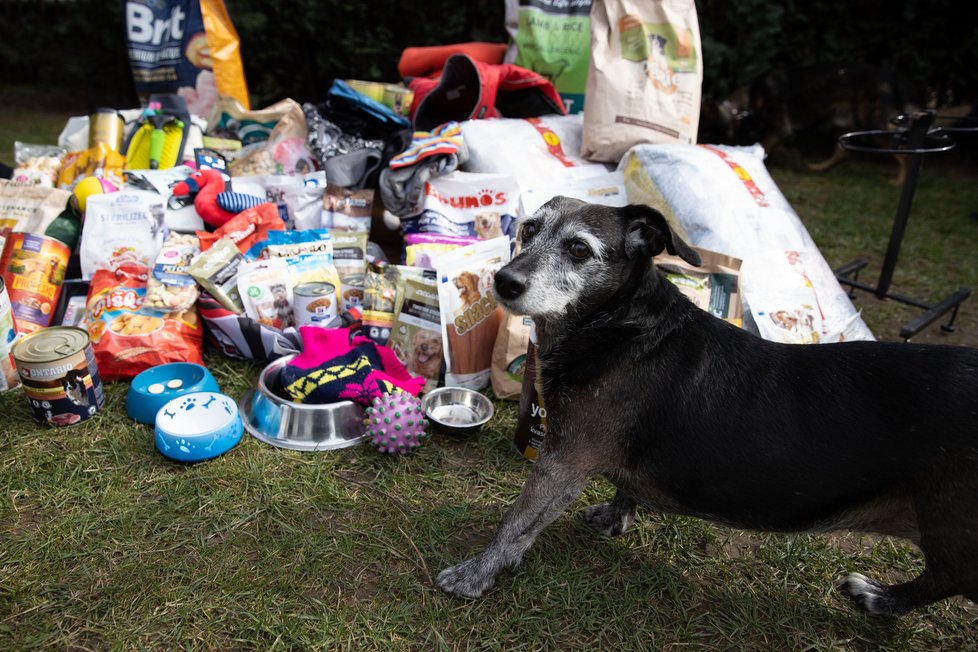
(510, 284)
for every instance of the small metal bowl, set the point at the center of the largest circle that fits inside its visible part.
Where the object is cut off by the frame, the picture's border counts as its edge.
(457, 410)
(272, 417)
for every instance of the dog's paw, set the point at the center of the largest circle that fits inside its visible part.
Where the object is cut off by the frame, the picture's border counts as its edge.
(869, 594)
(469, 579)
(605, 520)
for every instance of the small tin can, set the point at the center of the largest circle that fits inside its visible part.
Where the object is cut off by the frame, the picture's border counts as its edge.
(105, 126)
(314, 304)
(8, 372)
(351, 291)
(33, 267)
(399, 99)
(60, 378)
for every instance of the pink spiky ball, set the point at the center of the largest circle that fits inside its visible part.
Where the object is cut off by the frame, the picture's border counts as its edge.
(396, 423)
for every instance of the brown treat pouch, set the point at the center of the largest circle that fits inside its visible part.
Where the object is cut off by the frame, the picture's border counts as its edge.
(416, 336)
(509, 355)
(714, 286)
(347, 210)
(469, 315)
(645, 78)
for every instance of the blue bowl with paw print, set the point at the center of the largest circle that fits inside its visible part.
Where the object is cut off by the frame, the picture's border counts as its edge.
(198, 426)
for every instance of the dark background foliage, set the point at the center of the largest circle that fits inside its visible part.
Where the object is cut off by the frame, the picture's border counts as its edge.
(293, 48)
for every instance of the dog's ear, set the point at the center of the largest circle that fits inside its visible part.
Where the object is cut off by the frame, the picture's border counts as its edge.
(647, 233)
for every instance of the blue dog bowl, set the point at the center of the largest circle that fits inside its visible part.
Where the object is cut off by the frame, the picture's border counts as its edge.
(155, 387)
(198, 426)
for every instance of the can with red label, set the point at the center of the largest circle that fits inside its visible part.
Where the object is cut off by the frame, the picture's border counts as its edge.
(33, 269)
(57, 369)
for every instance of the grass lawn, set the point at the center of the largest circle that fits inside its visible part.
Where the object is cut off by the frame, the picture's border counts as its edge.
(106, 544)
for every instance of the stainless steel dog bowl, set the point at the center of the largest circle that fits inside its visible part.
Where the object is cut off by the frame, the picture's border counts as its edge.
(270, 416)
(457, 410)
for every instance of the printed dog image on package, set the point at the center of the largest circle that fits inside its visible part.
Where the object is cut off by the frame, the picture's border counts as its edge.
(470, 317)
(416, 336)
(644, 81)
(468, 204)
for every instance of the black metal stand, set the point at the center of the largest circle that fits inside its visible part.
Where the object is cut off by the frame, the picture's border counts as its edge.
(914, 138)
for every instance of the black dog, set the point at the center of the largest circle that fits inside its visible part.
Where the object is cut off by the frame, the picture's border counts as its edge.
(685, 413)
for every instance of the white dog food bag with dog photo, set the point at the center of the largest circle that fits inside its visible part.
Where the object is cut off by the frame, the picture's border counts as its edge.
(723, 199)
(484, 206)
(470, 317)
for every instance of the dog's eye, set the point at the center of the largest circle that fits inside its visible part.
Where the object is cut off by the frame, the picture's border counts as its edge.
(528, 231)
(579, 250)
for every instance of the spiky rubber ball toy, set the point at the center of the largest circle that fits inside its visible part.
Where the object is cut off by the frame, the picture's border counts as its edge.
(396, 423)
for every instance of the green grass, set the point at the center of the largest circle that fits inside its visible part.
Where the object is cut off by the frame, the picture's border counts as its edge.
(104, 544)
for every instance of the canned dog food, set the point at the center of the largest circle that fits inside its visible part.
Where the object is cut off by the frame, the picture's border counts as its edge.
(351, 291)
(33, 267)
(314, 304)
(8, 372)
(60, 378)
(105, 126)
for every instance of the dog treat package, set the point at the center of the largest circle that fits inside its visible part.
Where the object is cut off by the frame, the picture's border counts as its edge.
(299, 197)
(714, 286)
(128, 336)
(553, 39)
(267, 292)
(509, 355)
(350, 253)
(120, 228)
(346, 210)
(421, 249)
(187, 47)
(283, 152)
(379, 301)
(470, 317)
(531, 424)
(723, 199)
(645, 77)
(217, 272)
(248, 227)
(170, 285)
(37, 165)
(100, 161)
(286, 244)
(416, 335)
(28, 209)
(484, 206)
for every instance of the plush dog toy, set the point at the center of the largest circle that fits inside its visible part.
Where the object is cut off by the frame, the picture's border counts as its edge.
(212, 202)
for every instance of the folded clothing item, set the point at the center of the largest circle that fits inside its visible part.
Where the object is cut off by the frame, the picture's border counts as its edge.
(428, 61)
(470, 89)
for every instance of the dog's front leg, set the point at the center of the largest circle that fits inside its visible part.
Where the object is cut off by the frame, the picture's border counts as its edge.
(548, 490)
